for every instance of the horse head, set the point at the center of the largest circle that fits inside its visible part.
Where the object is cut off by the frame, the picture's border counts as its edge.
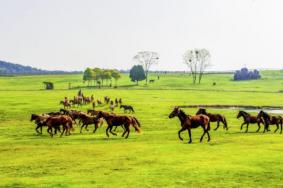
(201, 111)
(175, 112)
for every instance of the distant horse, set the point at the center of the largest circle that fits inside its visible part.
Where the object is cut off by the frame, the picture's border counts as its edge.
(115, 120)
(78, 100)
(270, 120)
(214, 118)
(65, 104)
(106, 99)
(249, 119)
(99, 101)
(127, 108)
(116, 102)
(120, 101)
(151, 81)
(88, 120)
(191, 122)
(56, 122)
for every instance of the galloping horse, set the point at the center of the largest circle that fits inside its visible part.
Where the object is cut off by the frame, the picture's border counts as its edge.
(249, 119)
(214, 118)
(56, 121)
(191, 122)
(88, 120)
(115, 120)
(270, 120)
(39, 121)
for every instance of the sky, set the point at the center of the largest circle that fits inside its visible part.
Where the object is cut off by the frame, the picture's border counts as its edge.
(75, 34)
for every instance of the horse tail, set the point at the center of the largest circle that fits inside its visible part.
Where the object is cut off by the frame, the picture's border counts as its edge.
(136, 125)
(137, 122)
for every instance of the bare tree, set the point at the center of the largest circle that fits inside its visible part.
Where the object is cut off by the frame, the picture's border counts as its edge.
(146, 59)
(197, 60)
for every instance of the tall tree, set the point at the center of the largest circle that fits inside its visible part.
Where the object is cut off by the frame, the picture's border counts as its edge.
(146, 59)
(88, 75)
(116, 75)
(137, 74)
(197, 60)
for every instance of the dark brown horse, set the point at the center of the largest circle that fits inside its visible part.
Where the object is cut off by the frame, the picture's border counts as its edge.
(88, 120)
(115, 120)
(214, 118)
(56, 121)
(65, 104)
(249, 119)
(39, 121)
(191, 122)
(270, 120)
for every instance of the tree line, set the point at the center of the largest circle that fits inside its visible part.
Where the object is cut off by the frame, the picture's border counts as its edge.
(101, 77)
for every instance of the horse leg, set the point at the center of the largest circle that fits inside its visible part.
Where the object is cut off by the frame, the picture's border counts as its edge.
(64, 128)
(115, 128)
(217, 125)
(258, 124)
(107, 131)
(243, 125)
(112, 132)
(190, 136)
(277, 127)
(127, 127)
(50, 132)
(204, 132)
(95, 127)
(208, 139)
(36, 129)
(247, 127)
(124, 132)
(179, 133)
(281, 128)
(86, 127)
(82, 128)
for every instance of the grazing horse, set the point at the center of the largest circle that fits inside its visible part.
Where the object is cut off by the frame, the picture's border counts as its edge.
(249, 119)
(270, 120)
(88, 120)
(65, 104)
(115, 120)
(214, 118)
(57, 121)
(190, 122)
(127, 107)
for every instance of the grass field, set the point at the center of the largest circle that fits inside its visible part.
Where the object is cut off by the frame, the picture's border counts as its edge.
(154, 158)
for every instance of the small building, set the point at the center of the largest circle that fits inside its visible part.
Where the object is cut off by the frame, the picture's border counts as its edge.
(48, 85)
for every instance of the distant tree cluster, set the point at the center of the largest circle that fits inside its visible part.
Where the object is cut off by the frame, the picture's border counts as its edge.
(101, 76)
(245, 74)
(137, 74)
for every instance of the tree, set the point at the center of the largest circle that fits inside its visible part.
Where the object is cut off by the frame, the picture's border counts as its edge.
(146, 59)
(197, 60)
(137, 74)
(88, 75)
(116, 75)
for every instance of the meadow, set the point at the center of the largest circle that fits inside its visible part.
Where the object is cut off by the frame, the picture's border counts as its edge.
(153, 158)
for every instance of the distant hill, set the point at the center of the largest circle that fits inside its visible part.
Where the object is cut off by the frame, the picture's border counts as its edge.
(7, 68)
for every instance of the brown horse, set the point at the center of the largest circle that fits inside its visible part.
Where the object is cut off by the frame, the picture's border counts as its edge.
(270, 120)
(92, 112)
(214, 118)
(39, 121)
(115, 120)
(88, 120)
(56, 121)
(191, 122)
(249, 119)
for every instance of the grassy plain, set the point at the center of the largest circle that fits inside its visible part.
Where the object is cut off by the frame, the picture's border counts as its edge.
(154, 158)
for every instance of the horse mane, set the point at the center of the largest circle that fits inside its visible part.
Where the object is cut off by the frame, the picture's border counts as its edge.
(243, 112)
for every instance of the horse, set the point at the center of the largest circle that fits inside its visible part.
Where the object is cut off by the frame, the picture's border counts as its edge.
(65, 104)
(151, 81)
(115, 120)
(106, 99)
(214, 118)
(270, 120)
(72, 114)
(116, 102)
(127, 107)
(56, 122)
(98, 101)
(39, 121)
(191, 122)
(249, 119)
(120, 101)
(87, 120)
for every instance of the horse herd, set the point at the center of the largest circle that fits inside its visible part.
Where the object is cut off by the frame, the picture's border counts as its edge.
(63, 121)
(203, 119)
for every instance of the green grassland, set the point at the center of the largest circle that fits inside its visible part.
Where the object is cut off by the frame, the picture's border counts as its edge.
(154, 158)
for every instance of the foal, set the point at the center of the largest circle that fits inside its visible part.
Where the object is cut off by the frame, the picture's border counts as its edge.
(191, 122)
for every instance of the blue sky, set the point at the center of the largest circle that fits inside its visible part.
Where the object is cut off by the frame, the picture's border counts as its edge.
(74, 34)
